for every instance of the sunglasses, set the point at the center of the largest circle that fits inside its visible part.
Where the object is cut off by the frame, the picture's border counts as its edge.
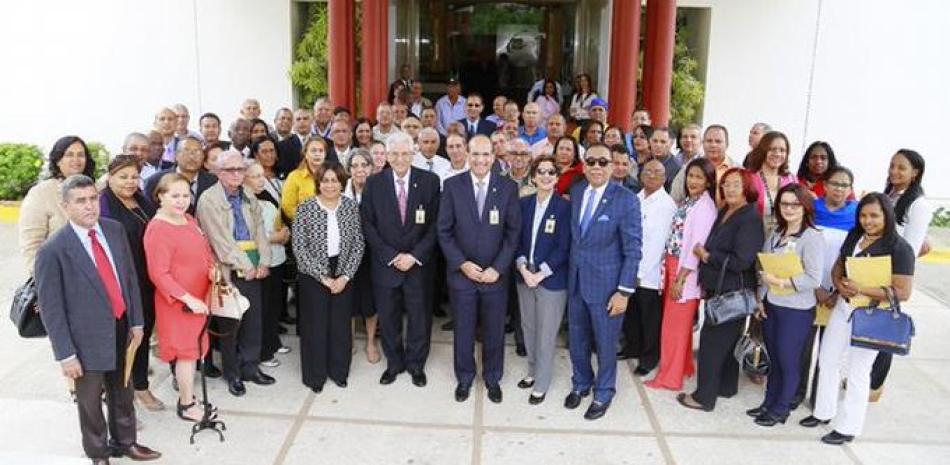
(544, 172)
(601, 162)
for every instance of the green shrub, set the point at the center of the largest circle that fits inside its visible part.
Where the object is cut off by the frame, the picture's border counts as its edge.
(20, 166)
(941, 218)
(687, 90)
(309, 69)
(101, 156)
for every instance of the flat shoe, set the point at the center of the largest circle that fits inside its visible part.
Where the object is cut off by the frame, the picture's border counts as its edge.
(681, 398)
(526, 383)
(812, 421)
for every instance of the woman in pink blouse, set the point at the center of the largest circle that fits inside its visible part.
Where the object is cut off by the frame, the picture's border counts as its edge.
(769, 163)
(691, 224)
(547, 101)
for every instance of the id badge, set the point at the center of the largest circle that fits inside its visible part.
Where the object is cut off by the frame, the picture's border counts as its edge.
(420, 216)
(494, 216)
(549, 226)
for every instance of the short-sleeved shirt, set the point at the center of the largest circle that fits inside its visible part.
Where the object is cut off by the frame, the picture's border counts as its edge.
(902, 255)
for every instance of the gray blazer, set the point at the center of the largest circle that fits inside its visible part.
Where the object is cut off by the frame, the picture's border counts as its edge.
(73, 301)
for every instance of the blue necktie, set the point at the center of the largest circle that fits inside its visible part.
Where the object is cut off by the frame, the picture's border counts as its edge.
(588, 212)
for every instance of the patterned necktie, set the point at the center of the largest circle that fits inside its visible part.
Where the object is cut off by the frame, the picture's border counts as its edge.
(480, 198)
(107, 275)
(431, 164)
(471, 129)
(402, 199)
(588, 212)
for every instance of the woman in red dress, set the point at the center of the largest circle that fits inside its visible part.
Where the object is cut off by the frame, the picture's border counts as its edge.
(179, 264)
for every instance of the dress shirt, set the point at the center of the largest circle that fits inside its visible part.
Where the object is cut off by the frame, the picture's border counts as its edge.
(241, 231)
(440, 166)
(83, 234)
(656, 216)
(343, 156)
(148, 170)
(475, 182)
(333, 230)
(597, 193)
(452, 171)
(405, 180)
(471, 127)
(324, 132)
(498, 120)
(447, 113)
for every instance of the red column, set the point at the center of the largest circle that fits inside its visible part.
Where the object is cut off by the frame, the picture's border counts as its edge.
(375, 55)
(649, 54)
(624, 54)
(342, 50)
(660, 74)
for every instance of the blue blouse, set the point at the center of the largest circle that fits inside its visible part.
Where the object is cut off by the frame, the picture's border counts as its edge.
(842, 218)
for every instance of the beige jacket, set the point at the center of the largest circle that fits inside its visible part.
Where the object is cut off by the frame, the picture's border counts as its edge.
(216, 219)
(40, 217)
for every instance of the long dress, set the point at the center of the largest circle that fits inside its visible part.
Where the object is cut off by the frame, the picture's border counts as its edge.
(179, 259)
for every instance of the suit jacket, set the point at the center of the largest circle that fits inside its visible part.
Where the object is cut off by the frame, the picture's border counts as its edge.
(384, 232)
(76, 310)
(483, 127)
(464, 236)
(551, 249)
(607, 256)
(289, 155)
(205, 180)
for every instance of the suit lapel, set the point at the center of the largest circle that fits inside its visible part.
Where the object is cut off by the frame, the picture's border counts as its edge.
(411, 198)
(602, 205)
(468, 195)
(77, 251)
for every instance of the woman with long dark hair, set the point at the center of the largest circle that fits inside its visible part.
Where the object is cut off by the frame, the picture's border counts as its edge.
(769, 163)
(584, 94)
(568, 161)
(816, 166)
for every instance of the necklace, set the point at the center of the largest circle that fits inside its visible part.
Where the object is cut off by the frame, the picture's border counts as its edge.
(138, 213)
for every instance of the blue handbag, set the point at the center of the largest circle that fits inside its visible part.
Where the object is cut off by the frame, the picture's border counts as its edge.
(886, 330)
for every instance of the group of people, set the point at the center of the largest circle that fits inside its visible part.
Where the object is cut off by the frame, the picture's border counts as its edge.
(512, 217)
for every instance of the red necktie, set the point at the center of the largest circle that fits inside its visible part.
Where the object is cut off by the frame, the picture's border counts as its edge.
(108, 276)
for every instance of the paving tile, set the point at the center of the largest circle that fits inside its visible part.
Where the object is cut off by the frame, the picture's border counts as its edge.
(504, 448)
(40, 427)
(912, 408)
(879, 453)
(729, 451)
(362, 444)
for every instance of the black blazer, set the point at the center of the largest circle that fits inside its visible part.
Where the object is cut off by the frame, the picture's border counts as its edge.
(384, 232)
(205, 180)
(111, 207)
(740, 238)
(288, 155)
(77, 312)
(484, 127)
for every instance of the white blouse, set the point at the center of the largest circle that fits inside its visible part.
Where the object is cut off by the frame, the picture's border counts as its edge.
(333, 231)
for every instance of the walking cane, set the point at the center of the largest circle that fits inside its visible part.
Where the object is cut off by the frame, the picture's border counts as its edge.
(206, 421)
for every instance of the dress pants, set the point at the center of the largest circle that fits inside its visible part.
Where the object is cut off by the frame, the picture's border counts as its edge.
(882, 366)
(807, 377)
(541, 314)
(323, 321)
(241, 340)
(275, 305)
(142, 354)
(514, 313)
(718, 373)
(411, 298)
(849, 416)
(483, 306)
(785, 331)
(641, 327)
(589, 326)
(96, 432)
(676, 336)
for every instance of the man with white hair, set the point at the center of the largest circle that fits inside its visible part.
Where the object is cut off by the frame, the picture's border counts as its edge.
(427, 158)
(402, 246)
(322, 117)
(182, 118)
(250, 109)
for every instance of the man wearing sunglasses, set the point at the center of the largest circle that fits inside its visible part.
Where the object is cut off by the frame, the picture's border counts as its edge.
(605, 256)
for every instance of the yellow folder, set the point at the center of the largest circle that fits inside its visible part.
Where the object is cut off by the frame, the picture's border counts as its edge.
(868, 271)
(129, 360)
(781, 265)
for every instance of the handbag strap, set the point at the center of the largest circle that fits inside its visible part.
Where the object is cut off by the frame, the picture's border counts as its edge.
(892, 298)
(722, 276)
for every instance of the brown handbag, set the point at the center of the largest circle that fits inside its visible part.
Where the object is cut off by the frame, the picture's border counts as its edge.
(224, 299)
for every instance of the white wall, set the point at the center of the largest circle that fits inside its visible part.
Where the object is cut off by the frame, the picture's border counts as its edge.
(881, 78)
(101, 69)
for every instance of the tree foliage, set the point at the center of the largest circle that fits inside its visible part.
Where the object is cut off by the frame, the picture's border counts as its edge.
(687, 90)
(309, 69)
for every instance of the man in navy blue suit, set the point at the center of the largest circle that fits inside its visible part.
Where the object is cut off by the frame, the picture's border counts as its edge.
(473, 122)
(605, 255)
(478, 229)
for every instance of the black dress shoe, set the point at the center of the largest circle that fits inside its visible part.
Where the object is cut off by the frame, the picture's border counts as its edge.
(573, 400)
(521, 350)
(260, 378)
(509, 328)
(526, 383)
(623, 355)
(236, 387)
(100, 462)
(448, 325)
(439, 312)
(812, 421)
(836, 439)
(281, 329)
(210, 371)
(288, 320)
(140, 453)
(535, 400)
(755, 412)
(768, 419)
(419, 379)
(341, 384)
(596, 410)
(462, 391)
(494, 393)
(641, 371)
(388, 377)
(317, 389)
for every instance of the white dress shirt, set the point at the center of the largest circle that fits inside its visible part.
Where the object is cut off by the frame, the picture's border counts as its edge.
(333, 230)
(83, 234)
(440, 166)
(656, 216)
(598, 193)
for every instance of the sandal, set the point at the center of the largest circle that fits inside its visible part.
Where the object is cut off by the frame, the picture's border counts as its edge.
(181, 409)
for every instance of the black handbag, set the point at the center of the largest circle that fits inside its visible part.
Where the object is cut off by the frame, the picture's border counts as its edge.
(886, 330)
(750, 351)
(24, 311)
(733, 305)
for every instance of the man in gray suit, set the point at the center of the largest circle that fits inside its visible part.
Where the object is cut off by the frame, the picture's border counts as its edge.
(91, 307)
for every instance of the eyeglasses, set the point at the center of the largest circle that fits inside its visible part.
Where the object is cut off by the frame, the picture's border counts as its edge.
(790, 205)
(544, 172)
(654, 172)
(838, 185)
(601, 162)
(235, 170)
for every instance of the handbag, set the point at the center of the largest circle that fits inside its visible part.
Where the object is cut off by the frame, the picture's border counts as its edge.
(731, 306)
(750, 351)
(885, 330)
(224, 300)
(24, 311)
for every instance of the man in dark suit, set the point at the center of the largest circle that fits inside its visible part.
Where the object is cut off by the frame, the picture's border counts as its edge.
(605, 255)
(479, 223)
(399, 210)
(92, 310)
(473, 122)
(190, 159)
(289, 149)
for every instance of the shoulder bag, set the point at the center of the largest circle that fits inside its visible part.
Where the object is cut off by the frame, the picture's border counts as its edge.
(24, 311)
(733, 305)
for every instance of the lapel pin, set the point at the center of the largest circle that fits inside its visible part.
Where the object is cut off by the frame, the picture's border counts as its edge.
(414, 185)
